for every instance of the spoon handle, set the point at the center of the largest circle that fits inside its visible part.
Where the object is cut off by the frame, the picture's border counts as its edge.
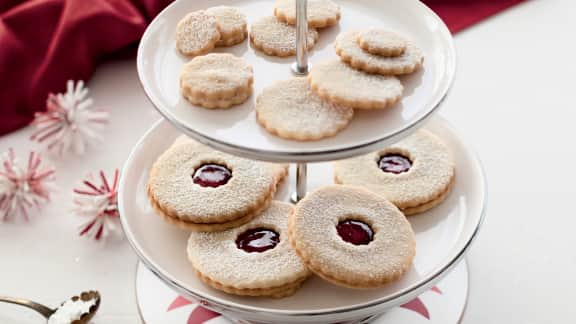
(45, 311)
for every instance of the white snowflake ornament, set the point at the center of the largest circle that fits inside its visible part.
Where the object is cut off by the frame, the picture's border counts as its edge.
(70, 122)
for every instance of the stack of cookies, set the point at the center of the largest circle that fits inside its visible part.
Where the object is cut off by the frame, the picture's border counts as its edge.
(276, 35)
(216, 80)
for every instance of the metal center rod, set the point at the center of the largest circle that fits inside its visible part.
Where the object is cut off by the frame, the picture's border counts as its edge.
(301, 181)
(301, 65)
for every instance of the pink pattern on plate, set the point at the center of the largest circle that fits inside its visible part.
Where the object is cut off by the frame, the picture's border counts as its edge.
(199, 314)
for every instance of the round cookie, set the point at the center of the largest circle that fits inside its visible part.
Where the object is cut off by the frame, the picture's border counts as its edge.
(200, 189)
(217, 80)
(416, 174)
(381, 42)
(197, 33)
(352, 237)
(321, 13)
(350, 52)
(291, 110)
(277, 38)
(255, 259)
(336, 82)
(231, 24)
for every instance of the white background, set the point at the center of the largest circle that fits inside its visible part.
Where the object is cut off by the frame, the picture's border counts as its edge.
(514, 99)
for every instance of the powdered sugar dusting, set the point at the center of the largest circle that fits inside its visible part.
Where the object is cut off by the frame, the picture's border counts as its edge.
(343, 84)
(216, 256)
(321, 13)
(431, 173)
(197, 33)
(172, 187)
(277, 38)
(231, 21)
(314, 232)
(216, 76)
(349, 50)
(290, 109)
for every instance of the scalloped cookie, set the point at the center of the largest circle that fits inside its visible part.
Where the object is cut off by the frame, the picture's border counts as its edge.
(350, 52)
(291, 110)
(381, 42)
(352, 237)
(416, 174)
(197, 33)
(277, 38)
(231, 24)
(200, 189)
(217, 80)
(336, 82)
(321, 13)
(255, 259)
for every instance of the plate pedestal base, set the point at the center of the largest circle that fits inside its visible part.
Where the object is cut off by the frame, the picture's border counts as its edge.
(443, 304)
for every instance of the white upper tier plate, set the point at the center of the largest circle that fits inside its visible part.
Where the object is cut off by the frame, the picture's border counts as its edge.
(236, 131)
(443, 235)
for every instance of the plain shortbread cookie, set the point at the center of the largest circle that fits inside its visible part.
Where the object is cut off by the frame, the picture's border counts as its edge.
(350, 52)
(338, 83)
(321, 13)
(381, 42)
(277, 38)
(197, 33)
(217, 80)
(290, 109)
(231, 24)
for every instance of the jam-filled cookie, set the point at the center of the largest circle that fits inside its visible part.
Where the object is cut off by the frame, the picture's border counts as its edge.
(415, 174)
(200, 189)
(255, 259)
(352, 237)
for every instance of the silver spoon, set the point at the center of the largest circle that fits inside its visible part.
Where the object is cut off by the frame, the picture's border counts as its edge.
(86, 296)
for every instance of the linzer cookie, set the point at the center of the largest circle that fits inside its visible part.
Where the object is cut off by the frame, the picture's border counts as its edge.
(350, 52)
(277, 38)
(217, 80)
(321, 13)
(200, 189)
(255, 259)
(415, 174)
(381, 42)
(197, 33)
(231, 24)
(336, 82)
(290, 109)
(352, 237)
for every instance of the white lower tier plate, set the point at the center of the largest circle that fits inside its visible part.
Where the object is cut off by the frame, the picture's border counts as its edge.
(442, 304)
(443, 235)
(236, 131)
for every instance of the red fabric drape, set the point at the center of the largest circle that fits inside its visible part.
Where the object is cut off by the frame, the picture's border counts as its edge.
(44, 43)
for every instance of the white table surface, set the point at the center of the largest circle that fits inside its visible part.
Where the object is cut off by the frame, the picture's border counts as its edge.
(514, 99)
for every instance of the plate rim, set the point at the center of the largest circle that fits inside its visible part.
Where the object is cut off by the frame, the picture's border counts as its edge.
(402, 295)
(313, 155)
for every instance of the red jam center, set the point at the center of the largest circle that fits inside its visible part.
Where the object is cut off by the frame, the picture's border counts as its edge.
(355, 232)
(211, 175)
(394, 163)
(257, 240)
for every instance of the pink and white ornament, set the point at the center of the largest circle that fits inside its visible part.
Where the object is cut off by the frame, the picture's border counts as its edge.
(70, 122)
(23, 187)
(97, 202)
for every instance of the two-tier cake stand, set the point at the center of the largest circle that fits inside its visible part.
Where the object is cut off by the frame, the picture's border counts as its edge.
(443, 234)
